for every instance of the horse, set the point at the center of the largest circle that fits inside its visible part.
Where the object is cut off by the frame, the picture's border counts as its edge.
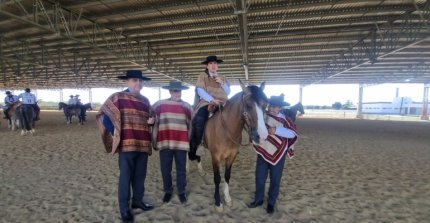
(13, 121)
(292, 111)
(27, 116)
(71, 110)
(223, 132)
(84, 109)
(87, 106)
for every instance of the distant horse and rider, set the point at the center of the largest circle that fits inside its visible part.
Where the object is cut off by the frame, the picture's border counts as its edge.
(223, 132)
(75, 110)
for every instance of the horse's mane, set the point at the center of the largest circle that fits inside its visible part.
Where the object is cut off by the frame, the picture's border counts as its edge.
(256, 93)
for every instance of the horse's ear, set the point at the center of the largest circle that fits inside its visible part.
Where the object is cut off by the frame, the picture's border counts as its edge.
(263, 85)
(242, 85)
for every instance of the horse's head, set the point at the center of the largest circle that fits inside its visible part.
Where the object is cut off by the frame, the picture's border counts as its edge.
(61, 105)
(255, 102)
(88, 106)
(300, 108)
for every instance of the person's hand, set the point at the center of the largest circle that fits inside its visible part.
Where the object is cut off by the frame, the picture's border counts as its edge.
(216, 102)
(151, 121)
(219, 80)
(272, 130)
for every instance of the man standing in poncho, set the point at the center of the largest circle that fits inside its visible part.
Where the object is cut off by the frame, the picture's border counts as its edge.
(171, 137)
(123, 124)
(272, 152)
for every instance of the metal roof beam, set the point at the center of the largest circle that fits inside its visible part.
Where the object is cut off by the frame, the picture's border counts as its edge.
(379, 43)
(62, 27)
(241, 11)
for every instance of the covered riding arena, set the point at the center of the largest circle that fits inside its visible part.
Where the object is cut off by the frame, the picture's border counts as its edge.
(345, 170)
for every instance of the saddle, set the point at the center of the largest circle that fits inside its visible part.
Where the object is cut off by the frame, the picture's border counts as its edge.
(212, 109)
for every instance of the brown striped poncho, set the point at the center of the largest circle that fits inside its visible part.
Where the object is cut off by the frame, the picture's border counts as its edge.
(129, 114)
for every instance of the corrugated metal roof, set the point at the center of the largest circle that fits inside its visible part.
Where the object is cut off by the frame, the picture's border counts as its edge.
(65, 43)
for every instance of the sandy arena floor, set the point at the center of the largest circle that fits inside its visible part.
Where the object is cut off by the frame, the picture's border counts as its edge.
(344, 171)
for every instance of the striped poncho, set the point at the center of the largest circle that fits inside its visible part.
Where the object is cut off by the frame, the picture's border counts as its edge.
(129, 115)
(171, 129)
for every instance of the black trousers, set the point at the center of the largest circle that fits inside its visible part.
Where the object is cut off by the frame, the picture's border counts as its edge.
(132, 172)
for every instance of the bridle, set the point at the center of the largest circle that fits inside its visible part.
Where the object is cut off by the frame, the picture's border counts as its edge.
(244, 116)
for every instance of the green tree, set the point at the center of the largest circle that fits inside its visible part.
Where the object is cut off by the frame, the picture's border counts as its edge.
(337, 105)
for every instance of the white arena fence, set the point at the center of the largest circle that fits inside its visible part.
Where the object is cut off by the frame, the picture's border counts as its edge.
(352, 114)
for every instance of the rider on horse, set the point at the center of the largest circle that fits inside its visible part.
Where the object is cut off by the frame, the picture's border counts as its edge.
(212, 90)
(30, 99)
(71, 100)
(8, 101)
(75, 102)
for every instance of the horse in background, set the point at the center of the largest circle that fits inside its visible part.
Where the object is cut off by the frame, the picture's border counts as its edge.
(70, 111)
(87, 107)
(84, 108)
(13, 121)
(223, 132)
(292, 111)
(27, 118)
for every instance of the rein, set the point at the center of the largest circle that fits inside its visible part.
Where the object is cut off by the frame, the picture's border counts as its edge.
(224, 125)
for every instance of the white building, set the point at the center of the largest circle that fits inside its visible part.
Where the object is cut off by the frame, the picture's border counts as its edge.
(399, 106)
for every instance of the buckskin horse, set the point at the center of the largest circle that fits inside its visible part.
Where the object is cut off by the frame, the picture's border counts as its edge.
(71, 110)
(223, 132)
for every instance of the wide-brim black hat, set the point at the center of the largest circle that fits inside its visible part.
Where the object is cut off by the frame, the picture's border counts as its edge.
(212, 58)
(8, 92)
(175, 85)
(277, 101)
(27, 90)
(134, 74)
(71, 96)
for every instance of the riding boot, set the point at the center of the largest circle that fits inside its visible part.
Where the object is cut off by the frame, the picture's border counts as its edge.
(197, 135)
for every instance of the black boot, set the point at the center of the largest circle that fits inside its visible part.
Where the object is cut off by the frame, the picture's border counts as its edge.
(127, 217)
(270, 209)
(192, 153)
(255, 204)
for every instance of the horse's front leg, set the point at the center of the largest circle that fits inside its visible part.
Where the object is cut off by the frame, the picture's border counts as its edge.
(9, 121)
(228, 164)
(217, 181)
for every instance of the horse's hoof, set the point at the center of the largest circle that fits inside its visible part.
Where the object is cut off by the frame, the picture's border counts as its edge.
(229, 203)
(22, 132)
(219, 208)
